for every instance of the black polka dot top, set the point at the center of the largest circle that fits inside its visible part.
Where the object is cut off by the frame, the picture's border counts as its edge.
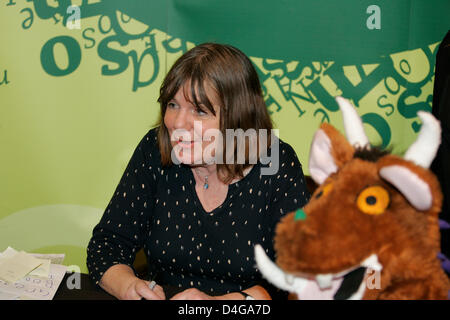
(157, 208)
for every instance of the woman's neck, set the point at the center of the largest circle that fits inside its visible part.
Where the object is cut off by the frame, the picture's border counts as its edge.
(208, 174)
(205, 171)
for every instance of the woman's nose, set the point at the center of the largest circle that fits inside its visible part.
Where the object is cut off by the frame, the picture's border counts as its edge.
(182, 119)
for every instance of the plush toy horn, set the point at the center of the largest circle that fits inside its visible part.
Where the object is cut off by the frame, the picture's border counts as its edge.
(353, 125)
(424, 149)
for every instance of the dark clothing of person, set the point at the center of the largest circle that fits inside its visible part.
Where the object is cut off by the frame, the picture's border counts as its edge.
(441, 110)
(157, 208)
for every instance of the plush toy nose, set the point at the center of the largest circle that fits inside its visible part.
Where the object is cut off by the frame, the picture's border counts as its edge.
(300, 215)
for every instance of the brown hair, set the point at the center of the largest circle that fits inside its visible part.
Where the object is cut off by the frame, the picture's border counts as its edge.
(231, 74)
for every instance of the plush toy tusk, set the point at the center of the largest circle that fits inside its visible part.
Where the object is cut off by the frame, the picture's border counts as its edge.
(270, 270)
(424, 149)
(354, 129)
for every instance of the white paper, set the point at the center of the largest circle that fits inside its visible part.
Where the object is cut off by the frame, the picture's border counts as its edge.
(17, 266)
(32, 287)
(8, 253)
(9, 296)
(54, 258)
(43, 270)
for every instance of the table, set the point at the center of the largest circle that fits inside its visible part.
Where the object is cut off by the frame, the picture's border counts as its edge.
(88, 291)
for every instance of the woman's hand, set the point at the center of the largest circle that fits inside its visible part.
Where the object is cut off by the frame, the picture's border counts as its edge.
(121, 282)
(257, 292)
(139, 289)
(192, 294)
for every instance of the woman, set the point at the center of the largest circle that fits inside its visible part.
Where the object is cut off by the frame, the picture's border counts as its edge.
(195, 194)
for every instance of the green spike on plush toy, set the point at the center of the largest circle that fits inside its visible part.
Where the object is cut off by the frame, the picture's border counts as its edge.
(300, 215)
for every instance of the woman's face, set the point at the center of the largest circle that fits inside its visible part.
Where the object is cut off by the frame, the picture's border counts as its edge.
(190, 127)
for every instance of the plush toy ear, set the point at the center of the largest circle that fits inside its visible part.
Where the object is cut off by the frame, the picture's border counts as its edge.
(329, 151)
(410, 184)
(409, 179)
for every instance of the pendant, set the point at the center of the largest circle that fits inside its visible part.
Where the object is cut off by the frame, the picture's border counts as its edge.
(205, 186)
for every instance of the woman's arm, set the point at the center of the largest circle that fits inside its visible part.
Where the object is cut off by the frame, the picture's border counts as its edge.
(123, 228)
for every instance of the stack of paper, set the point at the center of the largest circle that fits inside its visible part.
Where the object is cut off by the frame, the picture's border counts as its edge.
(29, 276)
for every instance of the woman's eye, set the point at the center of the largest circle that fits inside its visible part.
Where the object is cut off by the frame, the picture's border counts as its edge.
(171, 105)
(200, 112)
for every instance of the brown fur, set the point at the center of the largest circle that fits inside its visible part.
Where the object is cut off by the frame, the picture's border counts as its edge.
(336, 235)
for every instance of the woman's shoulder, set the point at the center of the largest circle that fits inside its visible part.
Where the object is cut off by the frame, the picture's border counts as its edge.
(149, 146)
(151, 137)
(286, 150)
(282, 151)
(281, 158)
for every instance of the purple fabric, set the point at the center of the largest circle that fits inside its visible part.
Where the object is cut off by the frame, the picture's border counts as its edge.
(443, 224)
(445, 262)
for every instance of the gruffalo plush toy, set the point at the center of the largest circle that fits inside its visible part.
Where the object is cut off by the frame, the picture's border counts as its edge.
(370, 230)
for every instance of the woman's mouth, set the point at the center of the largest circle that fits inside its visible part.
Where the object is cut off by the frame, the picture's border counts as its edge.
(185, 144)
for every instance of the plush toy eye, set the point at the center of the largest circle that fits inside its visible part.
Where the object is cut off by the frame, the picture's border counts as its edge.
(324, 190)
(373, 200)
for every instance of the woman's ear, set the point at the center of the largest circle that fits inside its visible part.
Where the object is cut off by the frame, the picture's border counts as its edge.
(329, 151)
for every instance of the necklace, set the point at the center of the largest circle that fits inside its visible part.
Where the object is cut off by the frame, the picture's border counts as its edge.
(205, 184)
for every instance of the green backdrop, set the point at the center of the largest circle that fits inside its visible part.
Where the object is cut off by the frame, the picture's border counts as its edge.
(79, 82)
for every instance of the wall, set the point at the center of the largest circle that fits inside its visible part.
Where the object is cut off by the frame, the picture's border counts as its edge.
(76, 95)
